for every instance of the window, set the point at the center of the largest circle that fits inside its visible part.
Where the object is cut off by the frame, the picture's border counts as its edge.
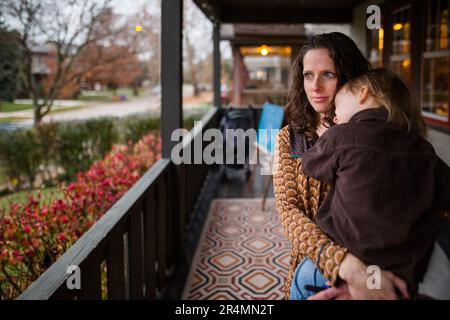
(400, 59)
(376, 47)
(436, 63)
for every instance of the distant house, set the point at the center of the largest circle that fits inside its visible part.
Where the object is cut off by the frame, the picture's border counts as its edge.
(43, 68)
(43, 61)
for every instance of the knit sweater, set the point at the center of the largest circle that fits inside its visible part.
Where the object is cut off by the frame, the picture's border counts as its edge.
(297, 198)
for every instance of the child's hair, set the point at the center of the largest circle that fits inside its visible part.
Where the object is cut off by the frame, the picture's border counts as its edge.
(390, 91)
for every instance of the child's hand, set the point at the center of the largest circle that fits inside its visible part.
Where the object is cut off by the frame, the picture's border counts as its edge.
(340, 293)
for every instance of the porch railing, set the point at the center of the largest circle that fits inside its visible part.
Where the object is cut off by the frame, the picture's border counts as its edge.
(134, 249)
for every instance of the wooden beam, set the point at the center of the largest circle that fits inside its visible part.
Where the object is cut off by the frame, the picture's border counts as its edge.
(286, 15)
(171, 71)
(237, 75)
(210, 8)
(217, 65)
(268, 40)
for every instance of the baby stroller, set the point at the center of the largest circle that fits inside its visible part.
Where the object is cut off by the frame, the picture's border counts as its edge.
(237, 118)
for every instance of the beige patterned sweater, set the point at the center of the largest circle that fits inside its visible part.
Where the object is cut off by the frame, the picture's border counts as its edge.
(297, 198)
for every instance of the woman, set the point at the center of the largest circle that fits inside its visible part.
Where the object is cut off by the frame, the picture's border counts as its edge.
(325, 63)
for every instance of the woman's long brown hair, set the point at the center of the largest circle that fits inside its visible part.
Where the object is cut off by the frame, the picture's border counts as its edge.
(349, 62)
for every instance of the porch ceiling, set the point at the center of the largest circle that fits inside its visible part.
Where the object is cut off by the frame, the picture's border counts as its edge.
(270, 34)
(278, 11)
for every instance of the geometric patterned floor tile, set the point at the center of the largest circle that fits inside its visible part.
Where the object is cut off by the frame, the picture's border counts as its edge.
(242, 253)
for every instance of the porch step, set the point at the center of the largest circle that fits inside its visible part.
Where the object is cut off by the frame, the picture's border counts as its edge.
(242, 254)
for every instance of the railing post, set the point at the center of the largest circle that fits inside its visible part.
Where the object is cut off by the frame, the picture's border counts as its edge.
(135, 249)
(172, 219)
(161, 222)
(116, 268)
(171, 71)
(171, 119)
(180, 171)
(150, 239)
(91, 279)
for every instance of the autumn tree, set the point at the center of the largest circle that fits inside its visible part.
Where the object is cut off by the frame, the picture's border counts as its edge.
(112, 65)
(122, 58)
(69, 25)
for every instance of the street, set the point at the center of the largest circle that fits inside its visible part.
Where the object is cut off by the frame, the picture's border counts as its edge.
(150, 104)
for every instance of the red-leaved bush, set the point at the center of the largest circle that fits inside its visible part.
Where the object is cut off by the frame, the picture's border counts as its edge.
(33, 236)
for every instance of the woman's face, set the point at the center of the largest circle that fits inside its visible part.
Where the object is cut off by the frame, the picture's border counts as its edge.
(320, 80)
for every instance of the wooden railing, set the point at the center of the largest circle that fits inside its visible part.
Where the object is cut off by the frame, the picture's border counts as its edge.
(134, 249)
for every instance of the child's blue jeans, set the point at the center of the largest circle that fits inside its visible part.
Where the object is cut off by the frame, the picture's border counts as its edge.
(306, 274)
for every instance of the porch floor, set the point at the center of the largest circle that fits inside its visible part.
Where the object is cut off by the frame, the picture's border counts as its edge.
(242, 253)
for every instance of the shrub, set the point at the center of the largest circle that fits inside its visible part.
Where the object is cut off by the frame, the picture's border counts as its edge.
(82, 143)
(136, 126)
(46, 138)
(33, 236)
(19, 154)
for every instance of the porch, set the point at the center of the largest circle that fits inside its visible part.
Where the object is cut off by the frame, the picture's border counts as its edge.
(182, 231)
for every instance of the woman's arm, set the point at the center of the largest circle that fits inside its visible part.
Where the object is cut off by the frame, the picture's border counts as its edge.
(300, 229)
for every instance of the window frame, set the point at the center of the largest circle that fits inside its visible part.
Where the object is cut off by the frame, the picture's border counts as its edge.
(430, 118)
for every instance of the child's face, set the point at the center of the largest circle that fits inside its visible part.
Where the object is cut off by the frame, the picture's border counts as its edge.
(347, 104)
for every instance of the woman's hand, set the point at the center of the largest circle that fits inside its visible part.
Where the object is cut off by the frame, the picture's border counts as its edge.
(353, 271)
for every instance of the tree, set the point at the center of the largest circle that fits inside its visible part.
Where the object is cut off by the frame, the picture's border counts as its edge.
(197, 46)
(113, 65)
(9, 63)
(69, 25)
(124, 58)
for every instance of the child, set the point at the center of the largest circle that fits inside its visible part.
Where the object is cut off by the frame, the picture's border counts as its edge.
(386, 178)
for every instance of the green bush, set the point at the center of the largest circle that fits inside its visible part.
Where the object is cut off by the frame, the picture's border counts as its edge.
(188, 123)
(82, 143)
(46, 138)
(19, 154)
(135, 126)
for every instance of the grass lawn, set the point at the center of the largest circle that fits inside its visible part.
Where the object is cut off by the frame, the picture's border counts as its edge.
(107, 95)
(53, 111)
(47, 195)
(11, 107)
